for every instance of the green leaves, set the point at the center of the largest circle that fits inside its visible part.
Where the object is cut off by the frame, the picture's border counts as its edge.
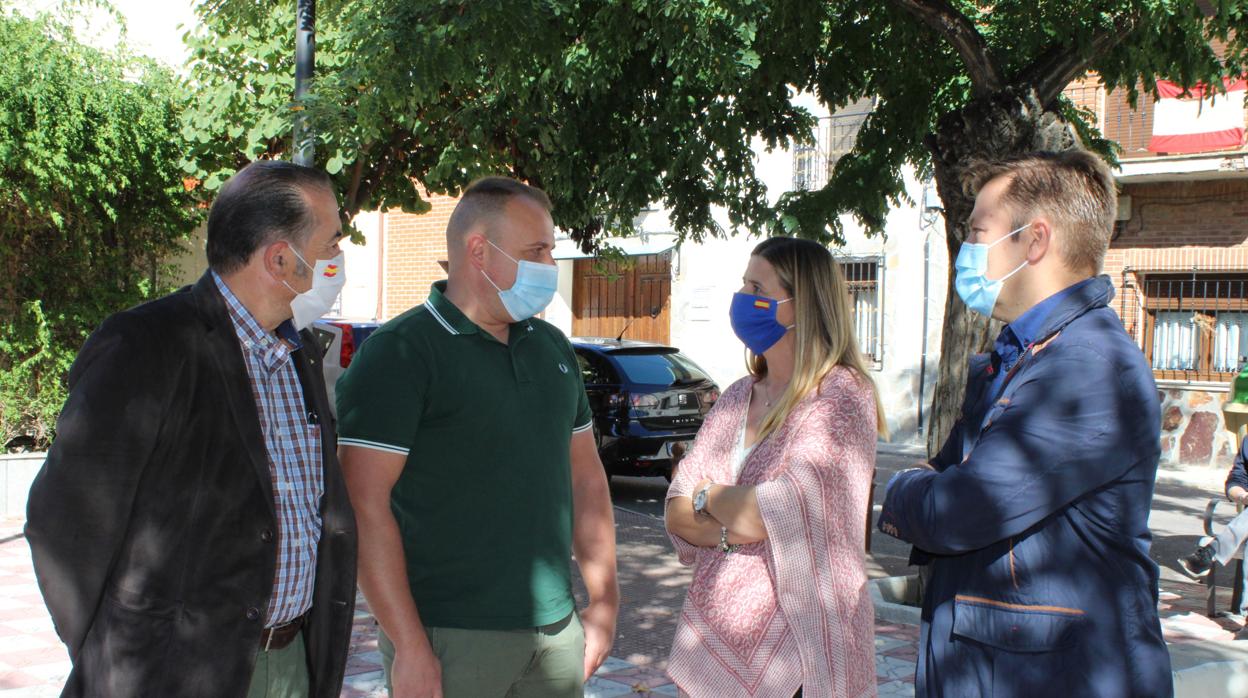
(612, 105)
(91, 201)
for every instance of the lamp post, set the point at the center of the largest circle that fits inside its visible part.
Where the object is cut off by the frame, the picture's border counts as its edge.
(305, 59)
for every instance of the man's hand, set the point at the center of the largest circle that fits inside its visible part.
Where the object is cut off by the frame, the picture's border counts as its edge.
(416, 673)
(598, 620)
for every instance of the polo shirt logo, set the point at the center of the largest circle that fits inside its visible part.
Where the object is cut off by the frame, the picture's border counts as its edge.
(563, 367)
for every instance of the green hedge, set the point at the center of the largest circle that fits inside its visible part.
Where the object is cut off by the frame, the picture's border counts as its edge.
(92, 201)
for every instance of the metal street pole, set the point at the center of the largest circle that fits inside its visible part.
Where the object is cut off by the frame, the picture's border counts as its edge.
(305, 59)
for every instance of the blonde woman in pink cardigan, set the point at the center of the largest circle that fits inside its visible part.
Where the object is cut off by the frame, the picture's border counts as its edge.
(770, 505)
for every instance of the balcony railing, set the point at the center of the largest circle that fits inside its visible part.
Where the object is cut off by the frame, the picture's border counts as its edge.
(834, 137)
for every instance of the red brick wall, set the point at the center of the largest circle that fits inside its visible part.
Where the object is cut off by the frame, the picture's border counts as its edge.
(413, 246)
(1179, 225)
(1176, 226)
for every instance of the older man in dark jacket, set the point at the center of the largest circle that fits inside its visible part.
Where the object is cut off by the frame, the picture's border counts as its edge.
(190, 531)
(1034, 515)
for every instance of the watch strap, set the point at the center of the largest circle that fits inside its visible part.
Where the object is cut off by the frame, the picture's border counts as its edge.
(701, 498)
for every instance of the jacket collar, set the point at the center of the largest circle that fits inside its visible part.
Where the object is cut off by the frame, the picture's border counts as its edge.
(210, 304)
(1097, 293)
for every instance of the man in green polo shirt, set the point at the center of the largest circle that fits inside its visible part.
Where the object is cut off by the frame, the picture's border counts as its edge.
(466, 441)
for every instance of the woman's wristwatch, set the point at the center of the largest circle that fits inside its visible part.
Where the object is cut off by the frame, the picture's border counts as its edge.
(701, 498)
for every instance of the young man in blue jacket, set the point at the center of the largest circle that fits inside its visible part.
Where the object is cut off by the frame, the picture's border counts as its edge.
(1034, 515)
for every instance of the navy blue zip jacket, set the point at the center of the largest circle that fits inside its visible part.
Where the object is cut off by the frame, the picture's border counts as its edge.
(1035, 521)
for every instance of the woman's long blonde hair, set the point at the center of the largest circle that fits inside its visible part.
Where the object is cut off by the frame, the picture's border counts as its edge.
(825, 336)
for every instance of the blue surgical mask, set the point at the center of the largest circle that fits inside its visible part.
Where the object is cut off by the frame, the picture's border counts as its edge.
(533, 290)
(972, 283)
(754, 320)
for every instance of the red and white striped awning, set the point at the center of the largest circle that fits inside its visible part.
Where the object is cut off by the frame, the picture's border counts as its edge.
(1199, 121)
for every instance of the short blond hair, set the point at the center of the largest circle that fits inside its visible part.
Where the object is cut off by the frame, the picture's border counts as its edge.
(1074, 189)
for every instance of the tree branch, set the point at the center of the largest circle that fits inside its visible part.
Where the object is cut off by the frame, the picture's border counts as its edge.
(1054, 69)
(956, 28)
(363, 187)
(353, 192)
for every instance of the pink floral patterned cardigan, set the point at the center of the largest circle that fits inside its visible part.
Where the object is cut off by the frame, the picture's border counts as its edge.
(792, 611)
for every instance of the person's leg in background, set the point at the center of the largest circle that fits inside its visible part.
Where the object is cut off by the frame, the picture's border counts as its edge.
(1221, 547)
(1230, 539)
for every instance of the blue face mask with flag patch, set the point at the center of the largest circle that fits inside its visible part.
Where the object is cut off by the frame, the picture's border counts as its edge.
(754, 320)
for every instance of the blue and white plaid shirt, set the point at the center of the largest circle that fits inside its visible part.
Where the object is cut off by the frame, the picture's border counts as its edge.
(294, 453)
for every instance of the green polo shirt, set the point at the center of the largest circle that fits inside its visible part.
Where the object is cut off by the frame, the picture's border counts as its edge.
(484, 502)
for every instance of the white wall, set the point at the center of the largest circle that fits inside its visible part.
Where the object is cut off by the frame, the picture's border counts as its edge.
(559, 312)
(706, 275)
(360, 294)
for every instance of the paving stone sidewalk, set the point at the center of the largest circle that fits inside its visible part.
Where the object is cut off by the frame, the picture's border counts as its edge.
(33, 662)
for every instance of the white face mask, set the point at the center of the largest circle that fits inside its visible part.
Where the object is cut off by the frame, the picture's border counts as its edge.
(328, 278)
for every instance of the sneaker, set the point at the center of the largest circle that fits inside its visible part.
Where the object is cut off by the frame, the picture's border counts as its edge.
(1199, 563)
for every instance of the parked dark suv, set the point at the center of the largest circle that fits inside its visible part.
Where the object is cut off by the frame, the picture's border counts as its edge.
(648, 401)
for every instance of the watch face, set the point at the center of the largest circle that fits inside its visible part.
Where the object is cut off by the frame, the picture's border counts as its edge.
(699, 501)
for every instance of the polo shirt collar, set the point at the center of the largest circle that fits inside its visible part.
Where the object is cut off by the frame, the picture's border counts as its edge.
(450, 317)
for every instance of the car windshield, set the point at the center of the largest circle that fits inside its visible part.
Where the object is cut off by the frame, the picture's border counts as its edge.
(657, 368)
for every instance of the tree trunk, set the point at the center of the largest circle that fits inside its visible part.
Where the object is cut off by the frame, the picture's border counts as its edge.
(1010, 122)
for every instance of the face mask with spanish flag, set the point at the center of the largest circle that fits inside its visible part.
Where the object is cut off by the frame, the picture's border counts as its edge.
(754, 320)
(328, 278)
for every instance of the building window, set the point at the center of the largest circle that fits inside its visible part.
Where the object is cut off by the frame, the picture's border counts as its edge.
(834, 138)
(862, 275)
(1194, 325)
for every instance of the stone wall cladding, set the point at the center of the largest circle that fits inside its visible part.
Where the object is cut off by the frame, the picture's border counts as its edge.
(1192, 429)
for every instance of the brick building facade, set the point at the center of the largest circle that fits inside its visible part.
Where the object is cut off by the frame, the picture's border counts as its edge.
(1180, 264)
(413, 245)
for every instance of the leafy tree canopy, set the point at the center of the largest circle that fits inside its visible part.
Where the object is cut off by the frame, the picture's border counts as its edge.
(610, 105)
(613, 104)
(91, 202)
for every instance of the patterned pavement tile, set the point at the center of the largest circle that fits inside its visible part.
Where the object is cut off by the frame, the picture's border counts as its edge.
(885, 644)
(602, 688)
(896, 689)
(909, 653)
(894, 668)
(33, 663)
